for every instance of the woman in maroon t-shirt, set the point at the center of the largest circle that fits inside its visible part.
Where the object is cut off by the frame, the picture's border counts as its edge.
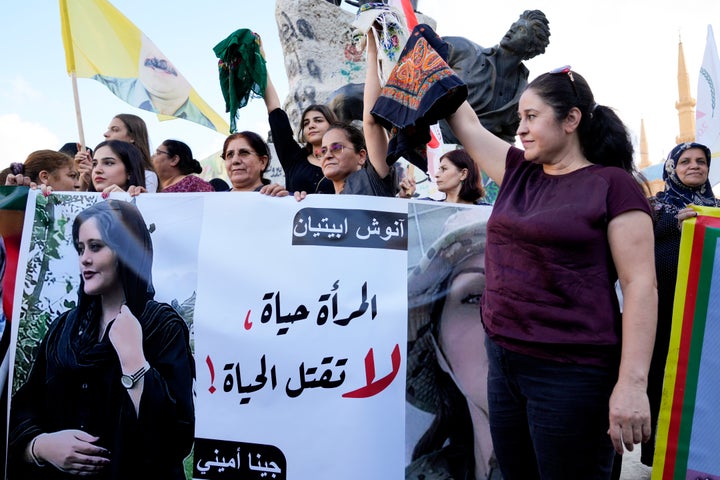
(568, 371)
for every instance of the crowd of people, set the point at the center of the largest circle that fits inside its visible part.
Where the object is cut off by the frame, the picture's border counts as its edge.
(539, 372)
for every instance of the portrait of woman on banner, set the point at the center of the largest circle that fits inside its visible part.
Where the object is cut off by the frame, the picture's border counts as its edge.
(110, 392)
(447, 360)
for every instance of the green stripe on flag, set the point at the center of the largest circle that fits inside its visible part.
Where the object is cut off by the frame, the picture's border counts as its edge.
(695, 355)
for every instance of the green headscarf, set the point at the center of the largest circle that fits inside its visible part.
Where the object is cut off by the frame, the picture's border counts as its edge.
(13, 198)
(243, 74)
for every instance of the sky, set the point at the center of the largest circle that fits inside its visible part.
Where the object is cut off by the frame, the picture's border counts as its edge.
(626, 49)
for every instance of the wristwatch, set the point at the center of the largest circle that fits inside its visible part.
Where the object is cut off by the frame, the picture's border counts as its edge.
(129, 381)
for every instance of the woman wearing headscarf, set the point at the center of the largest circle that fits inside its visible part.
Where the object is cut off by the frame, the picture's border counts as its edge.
(686, 183)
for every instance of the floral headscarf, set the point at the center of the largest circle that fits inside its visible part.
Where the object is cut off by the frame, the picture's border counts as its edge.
(676, 192)
(391, 34)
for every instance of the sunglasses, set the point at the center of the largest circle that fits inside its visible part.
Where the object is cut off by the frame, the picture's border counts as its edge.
(334, 148)
(241, 153)
(566, 71)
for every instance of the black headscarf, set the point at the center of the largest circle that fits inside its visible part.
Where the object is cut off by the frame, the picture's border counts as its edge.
(123, 229)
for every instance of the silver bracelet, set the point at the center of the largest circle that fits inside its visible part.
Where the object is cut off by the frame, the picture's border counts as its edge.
(32, 453)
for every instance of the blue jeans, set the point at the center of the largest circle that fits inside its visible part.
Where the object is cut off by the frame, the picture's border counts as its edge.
(549, 420)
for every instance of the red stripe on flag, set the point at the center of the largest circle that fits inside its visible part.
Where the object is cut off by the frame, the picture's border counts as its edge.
(410, 17)
(434, 142)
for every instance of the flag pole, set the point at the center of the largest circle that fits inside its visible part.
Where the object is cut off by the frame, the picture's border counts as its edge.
(70, 62)
(78, 113)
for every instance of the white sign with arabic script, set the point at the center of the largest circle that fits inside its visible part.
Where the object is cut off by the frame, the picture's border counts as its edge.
(300, 332)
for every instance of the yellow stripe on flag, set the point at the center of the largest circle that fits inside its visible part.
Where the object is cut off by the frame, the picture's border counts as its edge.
(101, 39)
(668, 410)
(670, 380)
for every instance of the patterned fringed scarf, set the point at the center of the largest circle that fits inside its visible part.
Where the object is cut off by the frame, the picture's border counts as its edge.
(421, 90)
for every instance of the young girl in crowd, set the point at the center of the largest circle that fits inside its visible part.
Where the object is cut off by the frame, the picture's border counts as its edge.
(128, 128)
(303, 170)
(117, 167)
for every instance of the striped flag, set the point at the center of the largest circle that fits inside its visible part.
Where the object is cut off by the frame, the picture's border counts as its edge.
(689, 424)
(707, 111)
(102, 44)
(406, 7)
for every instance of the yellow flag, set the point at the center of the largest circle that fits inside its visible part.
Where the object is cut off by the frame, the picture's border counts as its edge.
(102, 44)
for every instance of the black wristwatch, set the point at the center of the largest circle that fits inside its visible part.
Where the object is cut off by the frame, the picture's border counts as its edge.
(129, 381)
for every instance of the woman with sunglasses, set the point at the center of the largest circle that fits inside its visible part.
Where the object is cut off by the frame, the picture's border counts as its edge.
(568, 370)
(344, 160)
(175, 166)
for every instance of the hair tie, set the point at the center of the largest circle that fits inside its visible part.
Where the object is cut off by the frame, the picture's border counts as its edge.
(17, 168)
(592, 110)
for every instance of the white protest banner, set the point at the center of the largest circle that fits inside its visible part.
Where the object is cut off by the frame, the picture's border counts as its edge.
(300, 334)
(299, 318)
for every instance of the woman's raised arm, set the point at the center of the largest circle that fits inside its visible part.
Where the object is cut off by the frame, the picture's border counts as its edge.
(376, 137)
(487, 150)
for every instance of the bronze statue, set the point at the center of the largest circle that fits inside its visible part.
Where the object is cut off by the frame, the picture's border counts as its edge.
(496, 76)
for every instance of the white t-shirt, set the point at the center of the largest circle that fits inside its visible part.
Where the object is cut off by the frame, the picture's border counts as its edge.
(151, 181)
